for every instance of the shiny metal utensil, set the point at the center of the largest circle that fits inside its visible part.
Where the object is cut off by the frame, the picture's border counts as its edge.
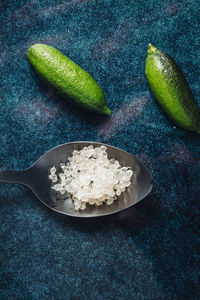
(36, 178)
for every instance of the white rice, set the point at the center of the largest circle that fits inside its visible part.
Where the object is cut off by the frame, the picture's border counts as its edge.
(90, 177)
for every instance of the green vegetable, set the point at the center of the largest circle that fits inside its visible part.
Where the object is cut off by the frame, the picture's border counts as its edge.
(69, 79)
(171, 89)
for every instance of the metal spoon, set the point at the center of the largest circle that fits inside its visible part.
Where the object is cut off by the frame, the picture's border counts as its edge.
(36, 178)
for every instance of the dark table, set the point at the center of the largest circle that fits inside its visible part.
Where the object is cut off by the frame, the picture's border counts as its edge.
(150, 251)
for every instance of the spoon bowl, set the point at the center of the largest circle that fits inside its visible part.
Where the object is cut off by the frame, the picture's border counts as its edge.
(37, 179)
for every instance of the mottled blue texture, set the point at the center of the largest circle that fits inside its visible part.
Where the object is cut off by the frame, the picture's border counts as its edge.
(150, 251)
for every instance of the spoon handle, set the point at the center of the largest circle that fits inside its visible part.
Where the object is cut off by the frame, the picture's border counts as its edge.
(21, 177)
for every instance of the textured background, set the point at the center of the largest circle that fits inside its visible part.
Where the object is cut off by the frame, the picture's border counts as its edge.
(150, 251)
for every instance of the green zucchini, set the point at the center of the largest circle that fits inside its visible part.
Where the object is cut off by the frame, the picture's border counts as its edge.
(171, 89)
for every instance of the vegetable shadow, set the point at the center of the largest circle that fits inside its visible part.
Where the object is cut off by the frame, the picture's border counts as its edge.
(67, 104)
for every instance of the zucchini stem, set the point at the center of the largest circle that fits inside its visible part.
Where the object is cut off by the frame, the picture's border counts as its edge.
(151, 48)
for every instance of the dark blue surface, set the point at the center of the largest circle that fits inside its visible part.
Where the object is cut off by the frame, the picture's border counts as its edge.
(150, 251)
